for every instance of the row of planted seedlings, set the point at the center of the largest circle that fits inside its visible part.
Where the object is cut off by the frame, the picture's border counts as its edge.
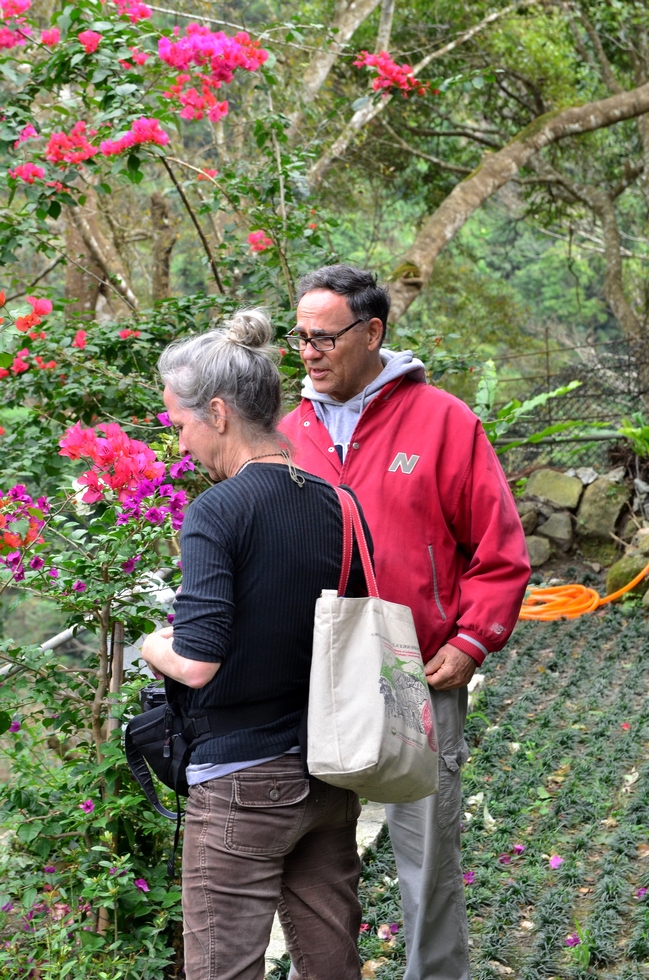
(556, 803)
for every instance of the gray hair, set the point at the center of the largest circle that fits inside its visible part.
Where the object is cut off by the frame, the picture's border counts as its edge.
(233, 363)
(365, 298)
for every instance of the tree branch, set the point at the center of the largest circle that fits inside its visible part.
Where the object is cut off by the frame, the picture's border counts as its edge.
(442, 164)
(38, 278)
(97, 252)
(196, 223)
(385, 26)
(372, 108)
(416, 266)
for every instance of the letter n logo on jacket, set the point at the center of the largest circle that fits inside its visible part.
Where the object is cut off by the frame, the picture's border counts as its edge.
(404, 463)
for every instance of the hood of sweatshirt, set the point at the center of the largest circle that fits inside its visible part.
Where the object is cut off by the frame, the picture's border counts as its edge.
(340, 418)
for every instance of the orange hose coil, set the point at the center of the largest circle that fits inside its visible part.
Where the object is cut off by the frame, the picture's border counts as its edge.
(569, 601)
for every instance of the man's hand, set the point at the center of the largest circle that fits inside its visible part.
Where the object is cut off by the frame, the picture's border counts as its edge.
(450, 668)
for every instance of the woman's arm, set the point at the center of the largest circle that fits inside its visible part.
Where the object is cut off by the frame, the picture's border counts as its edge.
(160, 655)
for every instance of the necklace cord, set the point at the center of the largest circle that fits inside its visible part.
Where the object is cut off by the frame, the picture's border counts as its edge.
(293, 473)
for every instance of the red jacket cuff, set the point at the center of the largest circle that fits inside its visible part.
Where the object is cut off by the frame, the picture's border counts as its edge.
(470, 643)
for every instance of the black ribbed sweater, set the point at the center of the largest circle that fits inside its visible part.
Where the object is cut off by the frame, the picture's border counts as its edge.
(257, 550)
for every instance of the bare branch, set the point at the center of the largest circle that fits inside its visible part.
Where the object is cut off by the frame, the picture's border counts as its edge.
(442, 164)
(605, 69)
(197, 226)
(38, 278)
(416, 266)
(96, 249)
(468, 134)
(385, 26)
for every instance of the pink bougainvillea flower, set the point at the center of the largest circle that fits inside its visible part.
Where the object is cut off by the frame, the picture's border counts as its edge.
(141, 884)
(504, 859)
(27, 133)
(139, 57)
(640, 894)
(7, 908)
(394, 928)
(79, 587)
(40, 306)
(163, 419)
(469, 877)
(51, 36)
(14, 726)
(27, 172)
(80, 339)
(555, 862)
(14, 8)
(49, 869)
(625, 726)
(133, 9)
(390, 74)
(573, 940)
(72, 147)
(87, 806)
(170, 617)
(259, 241)
(36, 563)
(179, 469)
(53, 573)
(206, 173)
(143, 130)
(128, 566)
(519, 849)
(89, 40)
(125, 334)
(365, 927)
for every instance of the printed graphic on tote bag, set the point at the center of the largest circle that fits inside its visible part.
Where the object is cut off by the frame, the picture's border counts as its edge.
(405, 692)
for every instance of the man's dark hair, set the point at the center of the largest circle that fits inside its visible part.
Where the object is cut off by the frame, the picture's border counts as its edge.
(365, 298)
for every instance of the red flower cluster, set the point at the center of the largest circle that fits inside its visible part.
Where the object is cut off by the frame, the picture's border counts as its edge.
(125, 334)
(72, 147)
(27, 172)
(218, 56)
(20, 365)
(40, 308)
(80, 339)
(389, 73)
(25, 134)
(120, 463)
(259, 241)
(133, 9)
(16, 35)
(206, 173)
(89, 40)
(143, 130)
(51, 37)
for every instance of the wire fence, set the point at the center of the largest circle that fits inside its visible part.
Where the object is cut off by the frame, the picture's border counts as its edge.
(610, 391)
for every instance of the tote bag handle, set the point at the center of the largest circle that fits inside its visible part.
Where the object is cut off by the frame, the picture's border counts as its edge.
(352, 525)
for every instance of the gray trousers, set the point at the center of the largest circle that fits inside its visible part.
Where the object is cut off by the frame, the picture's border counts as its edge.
(426, 840)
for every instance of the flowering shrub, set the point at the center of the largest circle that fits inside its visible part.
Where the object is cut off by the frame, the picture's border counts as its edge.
(389, 74)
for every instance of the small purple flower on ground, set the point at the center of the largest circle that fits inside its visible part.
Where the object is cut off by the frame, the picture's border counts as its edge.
(365, 927)
(641, 892)
(555, 862)
(87, 806)
(36, 563)
(141, 884)
(469, 877)
(7, 908)
(79, 586)
(519, 848)
(573, 940)
(394, 928)
(49, 869)
(163, 419)
(504, 859)
(14, 726)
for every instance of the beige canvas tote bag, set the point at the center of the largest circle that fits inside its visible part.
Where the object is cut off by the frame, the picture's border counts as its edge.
(370, 720)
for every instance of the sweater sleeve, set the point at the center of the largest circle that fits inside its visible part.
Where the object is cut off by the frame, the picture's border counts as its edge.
(204, 608)
(489, 532)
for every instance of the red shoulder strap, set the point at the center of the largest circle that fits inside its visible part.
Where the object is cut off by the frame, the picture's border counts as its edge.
(352, 524)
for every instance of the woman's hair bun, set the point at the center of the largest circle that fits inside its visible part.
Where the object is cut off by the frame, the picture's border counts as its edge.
(250, 328)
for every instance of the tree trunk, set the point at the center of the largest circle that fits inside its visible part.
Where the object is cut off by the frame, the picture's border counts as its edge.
(415, 268)
(82, 274)
(164, 239)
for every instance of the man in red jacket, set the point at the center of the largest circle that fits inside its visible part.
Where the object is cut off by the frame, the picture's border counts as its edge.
(447, 542)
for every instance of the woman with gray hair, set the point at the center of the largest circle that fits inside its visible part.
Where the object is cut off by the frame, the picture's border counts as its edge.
(257, 550)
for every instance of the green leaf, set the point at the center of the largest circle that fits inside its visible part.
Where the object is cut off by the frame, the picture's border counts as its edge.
(29, 897)
(542, 793)
(54, 209)
(5, 359)
(133, 162)
(5, 722)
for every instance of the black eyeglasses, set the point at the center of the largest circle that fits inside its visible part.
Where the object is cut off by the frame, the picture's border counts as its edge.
(325, 342)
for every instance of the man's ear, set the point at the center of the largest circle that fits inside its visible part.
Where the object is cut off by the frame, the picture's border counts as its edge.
(375, 333)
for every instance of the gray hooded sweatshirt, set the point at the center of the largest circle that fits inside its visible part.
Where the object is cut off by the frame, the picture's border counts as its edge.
(340, 418)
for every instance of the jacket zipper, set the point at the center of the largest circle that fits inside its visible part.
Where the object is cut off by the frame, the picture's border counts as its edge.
(435, 587)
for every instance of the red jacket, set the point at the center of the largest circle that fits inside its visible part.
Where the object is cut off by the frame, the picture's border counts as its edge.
(448, 541)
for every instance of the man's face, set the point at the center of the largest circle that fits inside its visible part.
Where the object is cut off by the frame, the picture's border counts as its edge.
(344, 371)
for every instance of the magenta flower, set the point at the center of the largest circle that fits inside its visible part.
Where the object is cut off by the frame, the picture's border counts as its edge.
(555, 862)
(79, 586)
(573, 940)
(87, 806)
(504, 859)
(129, 565)
(163, 419)
(141, 884)
(36, 563)
(155, 515)
(170, 617)
(469, 877)
(365, 927)
(49, 869)
(14, 726)
(182, 467)
(53, 573)
(641, 892)
(7, 908)
(519, 849)
(394, 928)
